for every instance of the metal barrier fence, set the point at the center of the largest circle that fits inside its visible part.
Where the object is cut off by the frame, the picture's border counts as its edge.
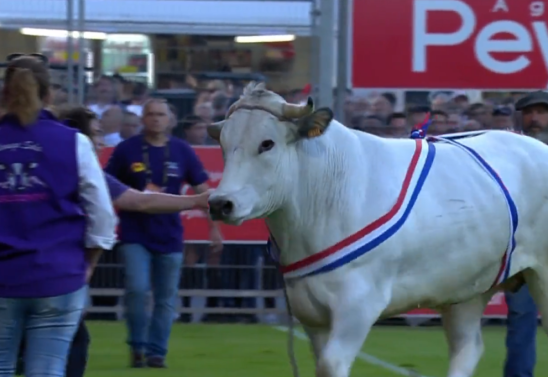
(239, 283)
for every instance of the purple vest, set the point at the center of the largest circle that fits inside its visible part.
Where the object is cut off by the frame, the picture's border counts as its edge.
(42, 224)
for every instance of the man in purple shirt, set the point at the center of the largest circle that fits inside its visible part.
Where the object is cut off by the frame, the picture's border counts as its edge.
(152, 244)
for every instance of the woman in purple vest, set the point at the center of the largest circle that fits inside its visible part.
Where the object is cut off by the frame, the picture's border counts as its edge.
(55, 219)
(124, 198)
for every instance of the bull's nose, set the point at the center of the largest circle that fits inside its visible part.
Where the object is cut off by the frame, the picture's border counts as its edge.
(220, 208)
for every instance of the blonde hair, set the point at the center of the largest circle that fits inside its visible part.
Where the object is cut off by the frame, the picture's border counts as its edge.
(26, 85)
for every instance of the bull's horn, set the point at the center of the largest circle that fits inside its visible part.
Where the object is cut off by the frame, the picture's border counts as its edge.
(214, 130)
(298, 111)
(231, 109)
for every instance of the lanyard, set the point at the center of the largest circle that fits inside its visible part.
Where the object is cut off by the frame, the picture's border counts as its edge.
(146, 160)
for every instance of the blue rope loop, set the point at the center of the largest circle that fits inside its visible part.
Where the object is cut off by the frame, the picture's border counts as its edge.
(419, 131)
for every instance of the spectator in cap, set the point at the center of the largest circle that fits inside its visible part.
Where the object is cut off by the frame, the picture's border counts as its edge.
(480, 112)
(522, 312)
(534, 109)
(502, 118)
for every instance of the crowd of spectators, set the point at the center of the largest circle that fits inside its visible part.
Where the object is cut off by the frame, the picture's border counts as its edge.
(449, 112)
(118, 105)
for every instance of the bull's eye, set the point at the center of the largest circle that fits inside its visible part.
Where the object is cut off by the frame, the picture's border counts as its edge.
(265, 146)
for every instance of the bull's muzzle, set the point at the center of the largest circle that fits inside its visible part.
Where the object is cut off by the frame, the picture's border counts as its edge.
(220, 208)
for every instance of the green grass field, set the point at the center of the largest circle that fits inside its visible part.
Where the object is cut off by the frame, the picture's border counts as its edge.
(254, 350)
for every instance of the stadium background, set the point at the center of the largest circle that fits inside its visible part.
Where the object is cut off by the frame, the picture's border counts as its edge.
(352, 55)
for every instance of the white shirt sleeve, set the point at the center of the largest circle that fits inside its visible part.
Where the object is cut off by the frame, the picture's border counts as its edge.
(101, 219)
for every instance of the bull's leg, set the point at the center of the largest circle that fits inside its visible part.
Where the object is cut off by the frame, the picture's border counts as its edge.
(351, 321)
(318, 339)
(462, 326)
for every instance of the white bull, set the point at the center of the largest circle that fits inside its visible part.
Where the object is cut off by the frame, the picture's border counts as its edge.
(368, 227)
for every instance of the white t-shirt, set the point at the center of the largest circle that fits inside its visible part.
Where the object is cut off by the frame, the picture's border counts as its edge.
(99, 109)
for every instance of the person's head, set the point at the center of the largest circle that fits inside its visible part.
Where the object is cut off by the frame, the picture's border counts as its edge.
(438, 125)
(359, 106)
(454, 121)
(105, 90)
(384, 104)
(139, 92)
(26, 87)
(195, 130)
(417, 114)
(502, 118)
(59, 95)
(460, 99)
(216, 85)
(480, 112)
(131, 125)
(157, 117)
(439, 101)
(85, 121)
(372, 124)
(219, 102)
(534, 110)
(398, 120)
(205, 111)
(111, 120)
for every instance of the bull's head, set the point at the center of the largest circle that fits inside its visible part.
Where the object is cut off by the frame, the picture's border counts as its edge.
(260, 139)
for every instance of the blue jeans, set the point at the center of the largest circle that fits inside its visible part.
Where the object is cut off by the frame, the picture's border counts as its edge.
(49, 325)
(521, 335)
(150, 335)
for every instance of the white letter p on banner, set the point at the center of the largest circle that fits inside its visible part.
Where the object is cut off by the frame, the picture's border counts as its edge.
(422, 39)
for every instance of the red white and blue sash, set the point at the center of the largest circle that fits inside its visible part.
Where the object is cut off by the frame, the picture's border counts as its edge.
(376, 232)
(506, 262)
(386, 226)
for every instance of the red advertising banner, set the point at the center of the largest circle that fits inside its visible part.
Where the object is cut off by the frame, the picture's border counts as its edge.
(450, 44)
(194, 221)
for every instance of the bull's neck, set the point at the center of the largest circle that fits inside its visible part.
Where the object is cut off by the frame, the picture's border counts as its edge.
(332, 185)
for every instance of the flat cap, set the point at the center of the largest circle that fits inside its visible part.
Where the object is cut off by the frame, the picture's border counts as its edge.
(539, 97)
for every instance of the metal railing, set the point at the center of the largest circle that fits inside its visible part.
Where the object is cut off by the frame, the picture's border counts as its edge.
(241, 281)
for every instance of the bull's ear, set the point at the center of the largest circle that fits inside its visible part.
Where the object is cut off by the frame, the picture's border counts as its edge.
(214, 130)
(315, 124)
